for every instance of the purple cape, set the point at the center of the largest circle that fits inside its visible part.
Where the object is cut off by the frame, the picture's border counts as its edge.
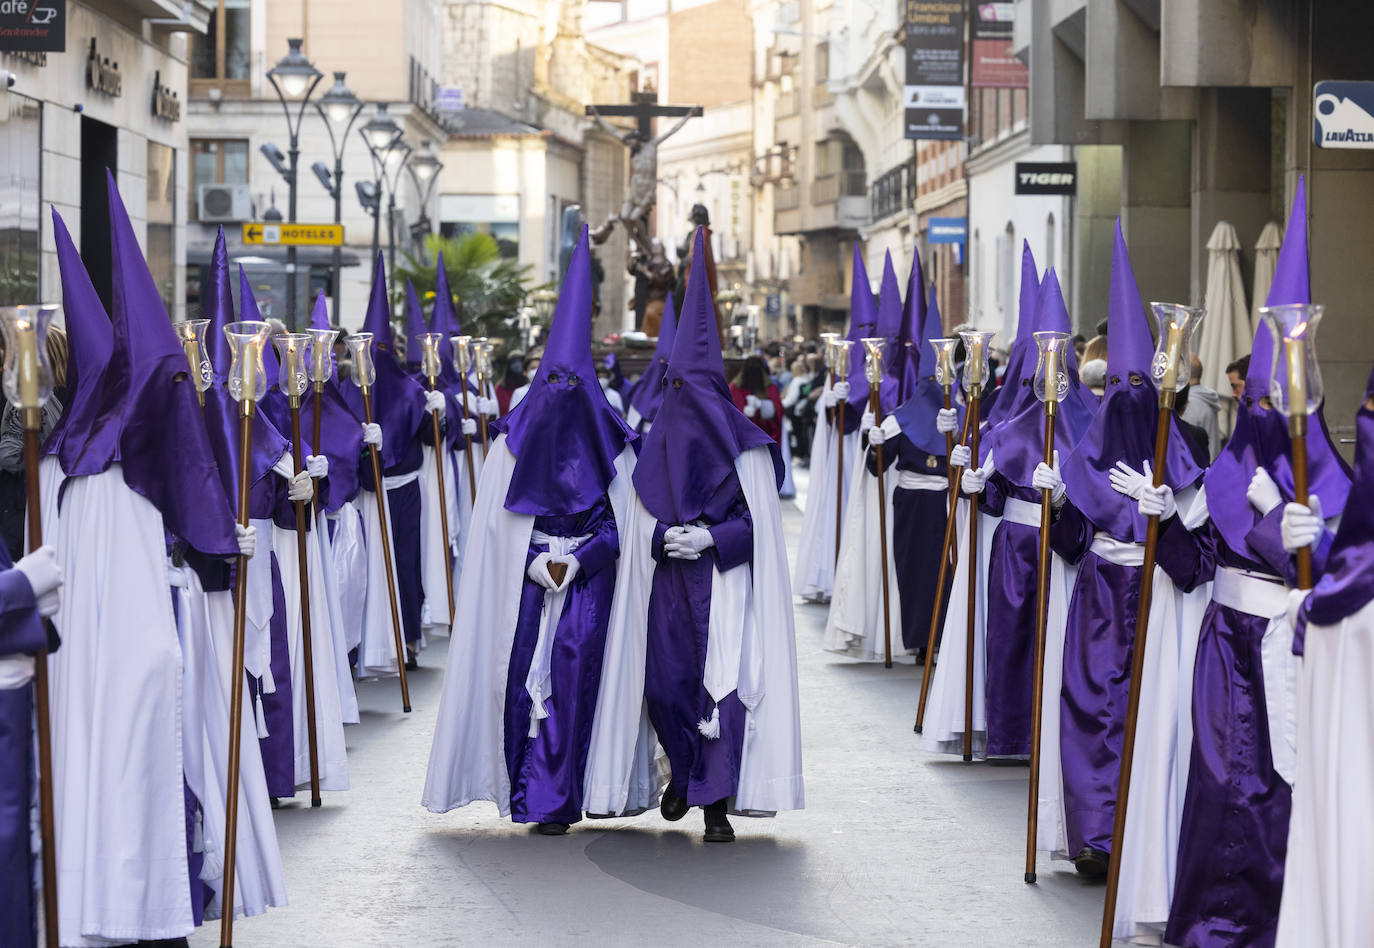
(1260, 436)
(647, 393)
(1347, 586)
(163, 445)
(863, 323)
(565, 435)
(691, 449)
(90, 344)
(398, 401)
(917, 414)
(1019, 440)
(1125, 425)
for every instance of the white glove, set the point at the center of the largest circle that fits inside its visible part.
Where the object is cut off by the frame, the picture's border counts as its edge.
(829, 399)
(372, 434)
(751, 406)
(574, 568)
(317, 465)
(1296, 597)
(469, 427)
(891, 427)
(301, 488)
(960, 456)
(687, 542)
(1157, 502)
(1130, 482)
(248, 540)
(841, 391)
(976, 479)
(876, 434)
(1302, 525)
(946, 420)
(1048, 478)
(488, 406)
(40, 568)
(434, 401)
(1263, 493)
(285, 466)
(539, 571)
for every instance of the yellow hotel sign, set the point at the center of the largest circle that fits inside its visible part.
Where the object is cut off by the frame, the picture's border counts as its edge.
(299, 235)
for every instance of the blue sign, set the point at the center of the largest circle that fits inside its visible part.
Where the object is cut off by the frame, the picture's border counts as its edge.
(772, 304)
(1343, 114)
(947, 230)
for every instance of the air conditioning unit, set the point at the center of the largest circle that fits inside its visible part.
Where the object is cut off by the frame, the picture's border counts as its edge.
(224, 202)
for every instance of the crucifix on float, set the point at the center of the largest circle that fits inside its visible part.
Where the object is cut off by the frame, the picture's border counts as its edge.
(639, 197)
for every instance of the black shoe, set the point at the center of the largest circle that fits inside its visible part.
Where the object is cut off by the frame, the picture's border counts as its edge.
(672, 807)
(412, 660)
(1091, 863)
(718, 828)
(553, 829)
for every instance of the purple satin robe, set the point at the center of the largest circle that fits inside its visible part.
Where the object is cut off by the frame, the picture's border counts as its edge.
(279, 747)
(703, 771)
(546, 771)
(918, 537)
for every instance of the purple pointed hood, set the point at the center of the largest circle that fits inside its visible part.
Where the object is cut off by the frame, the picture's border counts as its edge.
(1260, 435)
(890, 328)
(341, 433)
(398, 401)
(565, 435)
(81, 444)
(1019, 375)
(913, 334)
(691, 449)
(1018, 441)
(1125, 426)
(863, 323)
(163, 445)
(221, 411)
(1347, 586)
(647, 393)
(415, 329)
(250, 310)
(917, 414)
(444, 321)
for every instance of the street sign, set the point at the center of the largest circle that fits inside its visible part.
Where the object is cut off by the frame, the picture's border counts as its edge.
(947, 230)
(289, 235)
(33, 25)
(1046, 177)
(1343, 114)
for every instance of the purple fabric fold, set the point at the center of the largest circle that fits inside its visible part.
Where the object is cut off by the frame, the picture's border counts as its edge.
(927, 398)
(863, 323)
(647, 393)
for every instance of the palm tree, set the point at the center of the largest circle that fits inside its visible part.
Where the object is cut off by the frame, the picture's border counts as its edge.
(489, 288)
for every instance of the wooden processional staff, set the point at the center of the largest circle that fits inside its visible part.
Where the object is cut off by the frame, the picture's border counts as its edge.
(462, 362)
(873, 371)
(828, 342)
(365, 375)
(293, 354)
(975, 376)
(481, 360)
(1170, 370)
(944, 375)
(430, 363)
(839, 372)
(1051, 385)
(28, 384)
(321, 363)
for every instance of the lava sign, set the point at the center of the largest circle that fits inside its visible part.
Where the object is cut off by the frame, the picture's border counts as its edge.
(1343, 114)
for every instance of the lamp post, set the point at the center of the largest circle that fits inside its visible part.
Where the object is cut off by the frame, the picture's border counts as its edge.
(339, 108)
(424, 173)
(294, 79)
(381, 134)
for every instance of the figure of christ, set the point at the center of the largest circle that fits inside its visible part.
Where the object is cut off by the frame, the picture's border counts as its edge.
(639, 198)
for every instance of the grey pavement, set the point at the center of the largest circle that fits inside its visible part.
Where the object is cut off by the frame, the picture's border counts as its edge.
(896, 846)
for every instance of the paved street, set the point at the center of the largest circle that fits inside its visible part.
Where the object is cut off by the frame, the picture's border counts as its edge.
(895, 846)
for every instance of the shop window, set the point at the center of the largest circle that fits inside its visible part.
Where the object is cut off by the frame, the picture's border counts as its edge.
(216, 161)
(162, 220)
(822, 62)
(19, 202)
(220, 59)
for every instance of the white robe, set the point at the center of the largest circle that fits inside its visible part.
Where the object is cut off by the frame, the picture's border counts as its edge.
(377, 643)
(434, 536)
(348, 568)
(329, 736)
(467, 760)
(116, 722)
(814, 577)
(855, 624)
(205, 623)
(1328, 878)
(341, 619)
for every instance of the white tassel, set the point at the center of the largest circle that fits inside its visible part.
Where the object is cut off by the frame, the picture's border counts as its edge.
(262, 719)
(710, 728)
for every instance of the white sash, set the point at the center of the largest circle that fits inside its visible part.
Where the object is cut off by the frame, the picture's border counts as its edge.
(1118, 552)
(538, 681)
(914, 480)
(1023, 512)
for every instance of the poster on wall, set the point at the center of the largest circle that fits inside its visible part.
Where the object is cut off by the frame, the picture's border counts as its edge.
(33, 26)
(993, 66)
(934, 89)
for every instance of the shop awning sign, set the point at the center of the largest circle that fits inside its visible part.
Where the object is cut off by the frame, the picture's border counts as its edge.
(33, 26)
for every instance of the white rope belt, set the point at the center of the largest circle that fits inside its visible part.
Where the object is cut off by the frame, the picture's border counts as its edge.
(401, 480)
(1118, 552)
(1021, 511)
(1254, 594)
(915, 480)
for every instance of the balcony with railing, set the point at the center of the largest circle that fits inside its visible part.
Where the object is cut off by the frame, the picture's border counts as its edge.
(892, 192)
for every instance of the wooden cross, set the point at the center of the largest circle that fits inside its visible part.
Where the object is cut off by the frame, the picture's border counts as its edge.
(643, 108)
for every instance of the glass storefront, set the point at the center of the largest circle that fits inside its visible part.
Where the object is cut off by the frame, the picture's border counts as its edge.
(20, 154)
(161, 249)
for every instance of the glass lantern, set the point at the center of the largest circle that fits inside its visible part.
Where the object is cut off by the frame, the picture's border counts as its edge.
(1171, 366)
(192, 336)
(944, 360)
(293, 352)
(429, 354)
(1295, 379)
(28, 374)
(828, 352)
(1051, 381)
(321, 354)
(976, 368)
(462, 354)
(247, 378)
(364, 369)
(840, 349)
(873, 359)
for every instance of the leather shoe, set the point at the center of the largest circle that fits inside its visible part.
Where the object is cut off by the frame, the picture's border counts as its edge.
(553, 829)
(718, 828)
(1091, 863)
(672, 807)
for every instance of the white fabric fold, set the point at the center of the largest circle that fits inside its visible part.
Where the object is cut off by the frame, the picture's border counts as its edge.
(913, 480)
(539, 679)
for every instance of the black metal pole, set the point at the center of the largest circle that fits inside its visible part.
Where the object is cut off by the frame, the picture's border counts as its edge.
(295, 154)
(338, 219)
(391, 238)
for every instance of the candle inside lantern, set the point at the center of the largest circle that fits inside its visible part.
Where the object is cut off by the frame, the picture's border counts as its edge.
(28, 364)
(1169, 381)
(1294, 351)
(1052, 375)
(248, 376)
(973, 365)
